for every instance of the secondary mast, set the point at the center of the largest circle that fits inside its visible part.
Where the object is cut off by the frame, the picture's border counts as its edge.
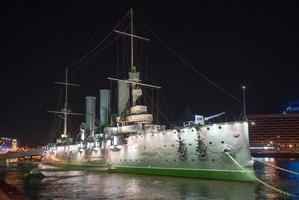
(64, 135)
(65, 111)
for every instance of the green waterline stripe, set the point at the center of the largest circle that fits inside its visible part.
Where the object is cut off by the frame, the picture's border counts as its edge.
(230, 175)
(166, 168)
(75, 164)
(190, 169)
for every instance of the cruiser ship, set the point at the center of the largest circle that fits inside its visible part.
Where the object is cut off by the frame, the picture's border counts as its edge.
(129, 141)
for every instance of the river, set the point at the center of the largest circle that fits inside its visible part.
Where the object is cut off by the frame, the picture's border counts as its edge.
(100, 185)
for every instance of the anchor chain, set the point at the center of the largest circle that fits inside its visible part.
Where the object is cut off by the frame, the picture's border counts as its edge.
(201, 147)
(262, 182)
(181, 150)
(280, 168)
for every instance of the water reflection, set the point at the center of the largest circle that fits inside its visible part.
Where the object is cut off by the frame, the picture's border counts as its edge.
(99, 185)
(94, 185)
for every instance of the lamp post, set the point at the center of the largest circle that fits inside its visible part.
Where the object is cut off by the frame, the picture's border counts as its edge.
(244, 102)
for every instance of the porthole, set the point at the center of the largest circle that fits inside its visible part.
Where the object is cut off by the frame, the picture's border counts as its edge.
(190, 144)
(208, 128)
(210, 142)
(219, 127)
(172, 145)
(222, 142)
(213, 159)
(192, 130)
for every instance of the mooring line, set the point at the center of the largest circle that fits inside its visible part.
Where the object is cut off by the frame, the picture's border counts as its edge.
(262, 182)
(280, 168)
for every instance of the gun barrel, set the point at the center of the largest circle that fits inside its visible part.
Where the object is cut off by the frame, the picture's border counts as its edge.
(213, 116)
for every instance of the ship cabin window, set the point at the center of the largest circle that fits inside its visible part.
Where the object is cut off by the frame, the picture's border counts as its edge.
(199, 118)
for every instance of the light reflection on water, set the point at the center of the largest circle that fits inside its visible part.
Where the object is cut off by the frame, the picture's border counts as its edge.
(99, 185)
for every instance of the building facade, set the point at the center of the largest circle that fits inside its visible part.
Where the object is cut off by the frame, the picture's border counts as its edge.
(274, 132)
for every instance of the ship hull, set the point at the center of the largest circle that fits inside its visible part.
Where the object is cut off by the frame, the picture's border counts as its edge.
(160, 153)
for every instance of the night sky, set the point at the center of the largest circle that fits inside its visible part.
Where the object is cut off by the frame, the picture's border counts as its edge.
(253, 42)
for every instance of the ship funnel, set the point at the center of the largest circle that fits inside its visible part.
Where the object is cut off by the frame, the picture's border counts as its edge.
(104, 106)
(90, 114)
(123, 97)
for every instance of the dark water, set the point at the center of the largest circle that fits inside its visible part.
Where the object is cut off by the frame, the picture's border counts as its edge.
(99, 185)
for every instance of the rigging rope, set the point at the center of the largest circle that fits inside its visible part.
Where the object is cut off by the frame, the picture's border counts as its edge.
(56, 120)
(154, 105)
(280, 168)
(191, 66)
(98, 45)
(262, 182)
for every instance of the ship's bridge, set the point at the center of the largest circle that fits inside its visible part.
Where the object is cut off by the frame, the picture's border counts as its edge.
(139, 114)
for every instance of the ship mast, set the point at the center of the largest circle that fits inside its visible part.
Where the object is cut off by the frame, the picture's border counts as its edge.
(65, 111)
(65, 105)
(124, 89)
(132, 41)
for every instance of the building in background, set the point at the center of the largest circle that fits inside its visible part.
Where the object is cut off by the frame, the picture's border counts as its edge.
(292, 108)
(8, 144)
(274, 133)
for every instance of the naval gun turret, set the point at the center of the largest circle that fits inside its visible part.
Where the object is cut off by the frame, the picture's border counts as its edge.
(201, 120)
